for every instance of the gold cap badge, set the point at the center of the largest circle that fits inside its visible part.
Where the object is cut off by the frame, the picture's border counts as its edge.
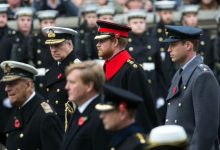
(51, 34)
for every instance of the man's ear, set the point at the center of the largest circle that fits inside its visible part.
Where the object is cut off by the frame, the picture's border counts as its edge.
(115, 42)
(188, 45)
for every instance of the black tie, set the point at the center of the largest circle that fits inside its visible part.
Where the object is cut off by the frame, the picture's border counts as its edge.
(180, 77)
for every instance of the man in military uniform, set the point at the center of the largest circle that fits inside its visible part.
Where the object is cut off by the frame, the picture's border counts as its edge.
(118, 111)
(165, 10)
(84, 86)
(106, 13)
(33, 124)
(62, 50)
(143, 48)
(167, 137)
(190, 18)
(42, 58)
(17, 45)
(122, 71)
(5, 106)
(193, 98)
(4, 29)
(85, 43)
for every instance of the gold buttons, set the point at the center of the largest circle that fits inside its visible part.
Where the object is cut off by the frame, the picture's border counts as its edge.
(56, 102)
(175, 121)
(21, 135)
(148, 46)
(112, 148)
(168, 104)
(19, 49)
(129, 40)
(48, 89)
(81, 31)
(202, 43)
(82, 41)
(6, 135)
(130, 49)
(159, 30)
(17, 39)
(162, 49)
(39, 51)
(135, 65)
(149, 81)
(166, 120)
(149, 58)
(48, 100)
(160, 39)
(41, 85)
(184, 87)
(58, 90)
(180, 104)
(39, 62)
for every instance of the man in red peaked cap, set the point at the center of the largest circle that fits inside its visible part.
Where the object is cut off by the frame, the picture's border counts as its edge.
(122, 71)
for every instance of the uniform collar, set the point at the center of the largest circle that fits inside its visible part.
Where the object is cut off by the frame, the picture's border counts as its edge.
(119, 136)
(84, 106)
(113, 65)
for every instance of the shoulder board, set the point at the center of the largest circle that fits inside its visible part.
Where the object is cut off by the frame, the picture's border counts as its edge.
(203, 67)
(132, 63)
(46, 107)
(77, 61)
(140, 138)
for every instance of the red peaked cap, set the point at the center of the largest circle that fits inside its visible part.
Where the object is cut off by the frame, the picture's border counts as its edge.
(109, 28)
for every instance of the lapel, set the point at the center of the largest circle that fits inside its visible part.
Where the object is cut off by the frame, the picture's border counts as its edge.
(71, 134)
(20, 117)
(57, 73)
(186, 74)
(174, 88)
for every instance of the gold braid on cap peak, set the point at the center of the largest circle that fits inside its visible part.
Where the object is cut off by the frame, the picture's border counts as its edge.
(69, 109)
(51, 34)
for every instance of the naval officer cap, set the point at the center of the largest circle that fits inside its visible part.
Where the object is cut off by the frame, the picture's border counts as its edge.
(105, 10)
(137, 13)
(165, 5)
(24, 11)
(190, 9)
(178, 33)
(117, 98)
(167, 137)
(109, 29)
(14, 70)
(47, 14)
(56, 35)
(4, 8)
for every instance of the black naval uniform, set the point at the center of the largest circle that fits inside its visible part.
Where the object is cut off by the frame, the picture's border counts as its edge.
(193, 102)
(129, 138)
(121, 71)
(6, 31)
(17, 47)
(86, 45)
(42, 58)
(34, 126)
(90, 135)
(143, 49)
(168, 66)
(55, 85)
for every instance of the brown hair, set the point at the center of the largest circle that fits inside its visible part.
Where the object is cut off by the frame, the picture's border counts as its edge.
(91, 71)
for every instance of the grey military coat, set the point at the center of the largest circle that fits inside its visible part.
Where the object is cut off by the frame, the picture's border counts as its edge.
(193, 102)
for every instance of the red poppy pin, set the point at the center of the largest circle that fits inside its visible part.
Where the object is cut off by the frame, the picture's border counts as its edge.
(174, 89)
(82, 120)
(17, 123)
(60, 75)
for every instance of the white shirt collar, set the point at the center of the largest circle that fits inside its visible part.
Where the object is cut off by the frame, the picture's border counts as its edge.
(84, 106)
(32, 95)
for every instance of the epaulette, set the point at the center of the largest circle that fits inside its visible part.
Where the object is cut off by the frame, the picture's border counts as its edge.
(140, 138)
(46, 107)
(76, 61)
(132, 63)
(203, 67)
